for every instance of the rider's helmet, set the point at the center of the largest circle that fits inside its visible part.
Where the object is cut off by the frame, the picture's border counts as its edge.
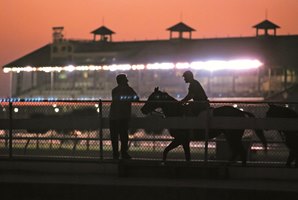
(188, 74)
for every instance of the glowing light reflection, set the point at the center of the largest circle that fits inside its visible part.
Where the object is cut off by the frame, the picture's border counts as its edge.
(182, 65)
(138, 67)
(161, 66)
(211, 65)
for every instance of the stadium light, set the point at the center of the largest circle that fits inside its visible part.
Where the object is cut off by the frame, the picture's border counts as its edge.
(210, 65)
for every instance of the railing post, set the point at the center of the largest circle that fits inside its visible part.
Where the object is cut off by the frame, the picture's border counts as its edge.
(100, 131)
(206, 135)
(10, 130)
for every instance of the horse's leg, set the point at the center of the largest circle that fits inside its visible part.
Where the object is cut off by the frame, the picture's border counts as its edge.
(6, 138)
(88, 141)
(231, 142)
(235, 142)
(61, 143)
(186, 149)
(234, 151)
(238, 149)
(51, 140)
(62, 138)
(175, 143)
(291, 144)
(290, 159)
(37, 140)
(243, 153)
(75, 141)
(296, 158)
(26, 146)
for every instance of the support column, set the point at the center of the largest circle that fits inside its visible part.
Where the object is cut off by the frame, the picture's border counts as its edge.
(19, 81)
(233, 83)
(52, 83)
(208, 82)
(259, 82)
(285, 78)
(10, 84)
(269, 81)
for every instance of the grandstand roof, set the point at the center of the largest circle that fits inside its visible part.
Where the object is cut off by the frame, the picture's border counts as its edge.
(276, 51)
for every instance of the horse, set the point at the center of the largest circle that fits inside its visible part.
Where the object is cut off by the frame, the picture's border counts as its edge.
(70, 133)
(289, 137)
(173, 108)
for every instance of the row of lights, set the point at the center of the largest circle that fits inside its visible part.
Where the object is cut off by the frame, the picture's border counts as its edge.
(37, 99)
(56, 109)
(211, 65)
(53, 99)
(50, 99)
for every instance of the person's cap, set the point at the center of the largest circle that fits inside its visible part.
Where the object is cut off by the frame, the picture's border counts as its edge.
(187, 74)
(121, 78)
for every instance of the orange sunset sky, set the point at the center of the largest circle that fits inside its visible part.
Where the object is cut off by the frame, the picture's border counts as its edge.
(27, 24)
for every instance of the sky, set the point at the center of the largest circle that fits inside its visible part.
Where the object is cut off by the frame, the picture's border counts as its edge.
(27, 24)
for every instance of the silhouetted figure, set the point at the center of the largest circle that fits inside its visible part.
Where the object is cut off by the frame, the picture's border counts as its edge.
(120, 114)
(172, 108)
(195, 93)
(290, 137)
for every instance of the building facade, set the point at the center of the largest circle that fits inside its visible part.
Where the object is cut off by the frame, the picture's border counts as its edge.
(260, 66)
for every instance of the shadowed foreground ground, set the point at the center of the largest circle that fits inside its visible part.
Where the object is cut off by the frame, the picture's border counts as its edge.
(143, 180)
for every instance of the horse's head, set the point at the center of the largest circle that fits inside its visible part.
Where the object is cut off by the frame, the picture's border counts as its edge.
(280, 111)
(156, 100)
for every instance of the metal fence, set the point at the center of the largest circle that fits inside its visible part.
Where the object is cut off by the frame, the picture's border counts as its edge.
(79, 129)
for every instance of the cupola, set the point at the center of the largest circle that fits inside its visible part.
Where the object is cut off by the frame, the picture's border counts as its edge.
(180, 28)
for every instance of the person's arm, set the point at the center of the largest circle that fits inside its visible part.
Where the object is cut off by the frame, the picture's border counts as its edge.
(135, 96)
(113, 95)
(188, 97)
(131, 95)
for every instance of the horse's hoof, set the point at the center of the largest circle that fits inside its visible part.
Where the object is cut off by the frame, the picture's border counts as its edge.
(288, 166)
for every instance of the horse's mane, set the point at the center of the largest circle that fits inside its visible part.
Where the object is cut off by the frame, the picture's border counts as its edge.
(169, 97)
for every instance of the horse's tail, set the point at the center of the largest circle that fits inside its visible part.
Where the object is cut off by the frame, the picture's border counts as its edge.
(259, 132)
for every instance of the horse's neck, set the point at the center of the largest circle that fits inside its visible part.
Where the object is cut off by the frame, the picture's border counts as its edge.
(172, 109)
(286, 112)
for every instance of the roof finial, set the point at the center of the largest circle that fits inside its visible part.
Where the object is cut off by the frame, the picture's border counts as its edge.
(181, 16)
(266, 13)
(103, 21)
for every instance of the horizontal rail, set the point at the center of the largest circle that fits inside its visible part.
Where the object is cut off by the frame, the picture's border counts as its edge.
(92, 123)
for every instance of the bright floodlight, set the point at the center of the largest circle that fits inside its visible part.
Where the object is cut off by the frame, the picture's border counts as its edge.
(161, 66)
(211, 65)
(215, 65)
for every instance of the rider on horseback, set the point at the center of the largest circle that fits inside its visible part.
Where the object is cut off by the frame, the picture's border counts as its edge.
(195, 93)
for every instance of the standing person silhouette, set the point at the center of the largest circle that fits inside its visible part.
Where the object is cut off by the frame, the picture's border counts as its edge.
(120, 114)
(195, 93)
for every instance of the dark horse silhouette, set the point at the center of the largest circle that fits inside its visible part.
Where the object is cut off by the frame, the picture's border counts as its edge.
(289, 137)
(173, 108)
(71, 133)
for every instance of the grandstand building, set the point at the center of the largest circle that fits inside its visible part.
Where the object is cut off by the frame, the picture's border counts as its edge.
(260, 66)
